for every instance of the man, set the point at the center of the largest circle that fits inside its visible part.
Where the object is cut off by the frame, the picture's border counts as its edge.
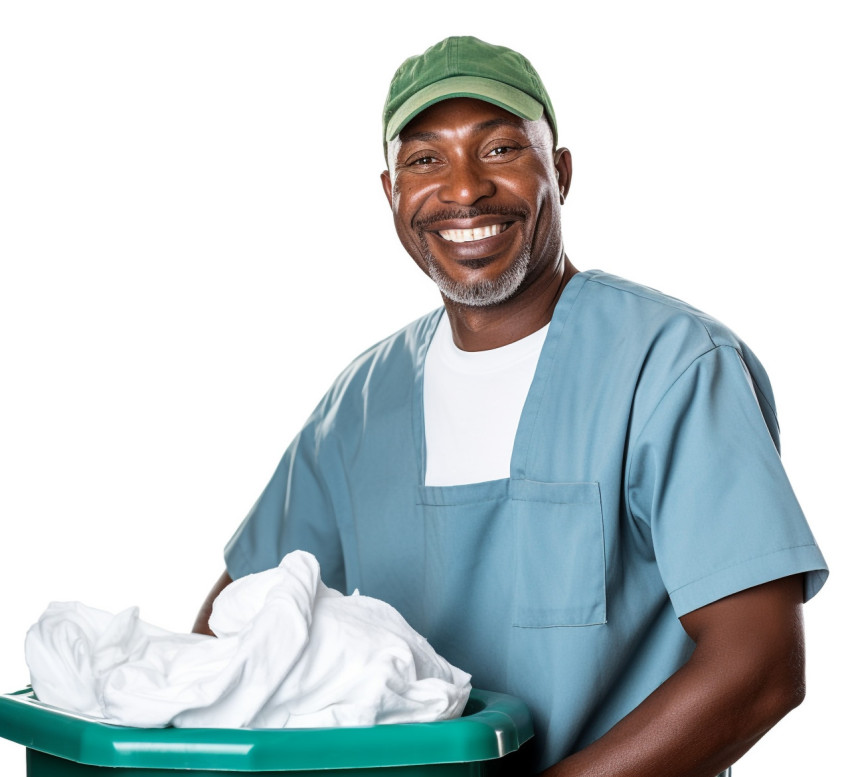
(568, 482)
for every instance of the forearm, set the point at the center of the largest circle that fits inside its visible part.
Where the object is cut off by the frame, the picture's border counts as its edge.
(739, 682)
(692, 726)
(202, 622)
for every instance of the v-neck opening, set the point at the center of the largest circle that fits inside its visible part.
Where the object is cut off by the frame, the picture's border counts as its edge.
(531, 407)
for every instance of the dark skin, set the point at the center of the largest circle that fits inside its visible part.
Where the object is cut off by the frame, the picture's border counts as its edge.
(453, 161)
(202, 622)
(746, 672)
(460, 155)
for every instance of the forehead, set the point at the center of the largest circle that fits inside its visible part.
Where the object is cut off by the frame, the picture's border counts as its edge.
(466, 116)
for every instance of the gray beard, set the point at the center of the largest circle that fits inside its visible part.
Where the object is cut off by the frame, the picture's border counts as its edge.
(484, 293)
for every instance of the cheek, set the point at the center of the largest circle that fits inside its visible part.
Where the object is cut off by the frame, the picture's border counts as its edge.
(408, 201)
(530, 185)
(404, 213)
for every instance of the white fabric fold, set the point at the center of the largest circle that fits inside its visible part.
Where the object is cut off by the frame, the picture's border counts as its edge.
(289, 653)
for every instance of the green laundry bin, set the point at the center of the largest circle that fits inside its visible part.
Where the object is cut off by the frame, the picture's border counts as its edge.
(484, 742)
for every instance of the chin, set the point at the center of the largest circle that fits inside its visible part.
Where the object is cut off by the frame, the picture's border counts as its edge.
(484, 293)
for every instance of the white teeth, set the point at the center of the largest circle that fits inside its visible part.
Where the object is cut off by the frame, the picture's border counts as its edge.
(467, 235)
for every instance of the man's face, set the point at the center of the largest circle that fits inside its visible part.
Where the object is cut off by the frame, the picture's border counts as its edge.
(476, 194)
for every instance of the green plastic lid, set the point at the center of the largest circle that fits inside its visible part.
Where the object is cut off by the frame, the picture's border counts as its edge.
(492, 726)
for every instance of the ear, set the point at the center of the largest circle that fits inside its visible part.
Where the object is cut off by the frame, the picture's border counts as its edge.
(564, 166)
(388, 186)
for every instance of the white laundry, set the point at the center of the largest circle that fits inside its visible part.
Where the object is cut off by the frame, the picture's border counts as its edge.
(289, 653)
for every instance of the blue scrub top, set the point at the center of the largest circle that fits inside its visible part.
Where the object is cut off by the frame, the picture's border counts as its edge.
(645, 483)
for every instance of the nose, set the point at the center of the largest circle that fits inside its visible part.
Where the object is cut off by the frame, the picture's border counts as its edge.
(466, 181)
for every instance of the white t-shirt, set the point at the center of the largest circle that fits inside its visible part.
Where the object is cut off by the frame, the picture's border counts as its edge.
(473, 401)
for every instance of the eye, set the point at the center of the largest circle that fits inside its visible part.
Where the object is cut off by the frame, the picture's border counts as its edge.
(500, 150)
(422, 161)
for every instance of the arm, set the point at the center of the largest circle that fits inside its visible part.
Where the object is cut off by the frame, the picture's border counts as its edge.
(746, 672)
(202, 622)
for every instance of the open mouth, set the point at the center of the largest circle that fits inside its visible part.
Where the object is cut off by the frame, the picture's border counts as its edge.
(469, 235)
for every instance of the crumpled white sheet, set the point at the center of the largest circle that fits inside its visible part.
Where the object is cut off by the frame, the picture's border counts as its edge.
(290, 653)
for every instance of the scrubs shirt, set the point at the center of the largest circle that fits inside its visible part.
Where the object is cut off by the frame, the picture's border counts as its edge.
(645, 483)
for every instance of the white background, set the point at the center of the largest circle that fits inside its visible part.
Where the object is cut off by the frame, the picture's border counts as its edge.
(194, 242)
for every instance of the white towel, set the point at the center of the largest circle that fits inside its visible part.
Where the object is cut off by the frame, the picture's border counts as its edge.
(289, 653)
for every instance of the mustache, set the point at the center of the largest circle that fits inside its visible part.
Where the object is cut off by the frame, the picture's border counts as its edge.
(469, 213)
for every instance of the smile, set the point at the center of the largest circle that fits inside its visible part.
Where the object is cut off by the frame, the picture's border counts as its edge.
(468, 235)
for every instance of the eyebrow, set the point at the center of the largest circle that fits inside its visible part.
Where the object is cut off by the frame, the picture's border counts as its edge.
(484, 125)
(405, 138)
(499, 122)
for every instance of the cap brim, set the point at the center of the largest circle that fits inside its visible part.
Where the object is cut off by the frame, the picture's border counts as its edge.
(495, 92)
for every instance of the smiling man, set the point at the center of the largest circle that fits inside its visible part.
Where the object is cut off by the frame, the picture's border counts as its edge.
(476, 194)
(568, 482)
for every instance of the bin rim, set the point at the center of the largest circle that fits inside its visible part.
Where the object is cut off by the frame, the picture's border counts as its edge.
(493, 725)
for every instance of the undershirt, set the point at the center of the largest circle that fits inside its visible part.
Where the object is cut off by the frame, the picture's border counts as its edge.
(473, 402)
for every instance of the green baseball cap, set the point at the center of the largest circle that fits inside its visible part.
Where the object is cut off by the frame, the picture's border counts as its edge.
(465, 67)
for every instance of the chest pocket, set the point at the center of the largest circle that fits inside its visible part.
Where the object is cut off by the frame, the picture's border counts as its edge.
(559, 554)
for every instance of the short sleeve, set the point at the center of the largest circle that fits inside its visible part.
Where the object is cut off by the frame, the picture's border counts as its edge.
(294, 512)
(706, 477)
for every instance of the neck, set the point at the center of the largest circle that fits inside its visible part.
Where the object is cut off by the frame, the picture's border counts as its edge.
(482, 329)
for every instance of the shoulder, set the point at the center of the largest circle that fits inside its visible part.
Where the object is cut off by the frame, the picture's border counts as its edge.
(381, 375)
(654, 312)
(658, 337)
(393, 357)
